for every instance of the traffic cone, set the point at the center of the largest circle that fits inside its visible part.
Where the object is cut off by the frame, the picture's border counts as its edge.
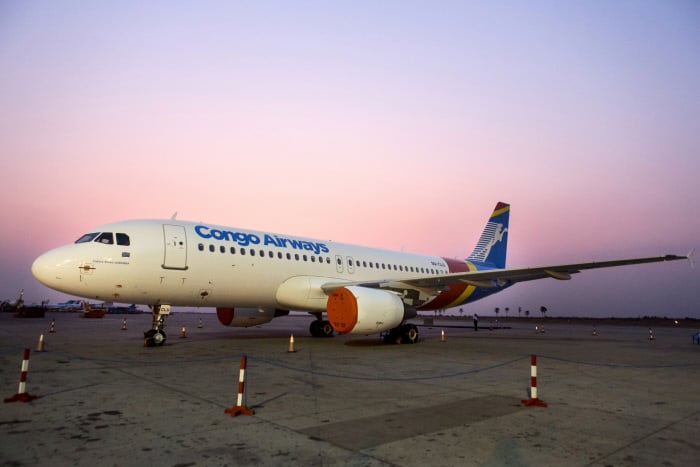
(537, 329)
(40, 346)
(183, 332)
(291, 344)
(53, 326)
(200, 324)
(442, 336)
(595, 332)
(542, 329)
(651, 335)
(124, 325)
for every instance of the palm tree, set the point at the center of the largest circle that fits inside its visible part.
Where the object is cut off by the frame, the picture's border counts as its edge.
(543, 310)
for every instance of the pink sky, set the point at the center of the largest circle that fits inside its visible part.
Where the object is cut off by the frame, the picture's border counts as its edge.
(397, 125)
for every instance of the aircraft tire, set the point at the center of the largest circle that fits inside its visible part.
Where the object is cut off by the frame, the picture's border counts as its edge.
(325, 328)
(314, 328)
(153, 338)
(410, 334)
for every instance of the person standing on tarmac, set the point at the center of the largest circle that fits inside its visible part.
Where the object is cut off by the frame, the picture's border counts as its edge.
(476, 322)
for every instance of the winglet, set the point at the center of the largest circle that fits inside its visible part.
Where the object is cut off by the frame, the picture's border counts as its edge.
(689, 256)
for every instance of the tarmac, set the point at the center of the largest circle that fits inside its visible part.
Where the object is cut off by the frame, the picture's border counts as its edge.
(614, 399)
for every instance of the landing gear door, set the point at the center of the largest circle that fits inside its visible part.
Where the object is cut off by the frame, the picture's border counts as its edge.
(175, 247)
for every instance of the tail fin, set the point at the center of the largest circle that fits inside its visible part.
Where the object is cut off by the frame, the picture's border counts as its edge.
(492, 245)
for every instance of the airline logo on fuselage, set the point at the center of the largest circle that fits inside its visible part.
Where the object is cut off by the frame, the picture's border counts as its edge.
(243, 239)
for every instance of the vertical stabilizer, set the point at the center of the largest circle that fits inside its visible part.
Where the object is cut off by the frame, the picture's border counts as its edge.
(491, 247)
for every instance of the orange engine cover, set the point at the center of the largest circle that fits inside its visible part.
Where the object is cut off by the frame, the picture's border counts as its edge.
(359, 310)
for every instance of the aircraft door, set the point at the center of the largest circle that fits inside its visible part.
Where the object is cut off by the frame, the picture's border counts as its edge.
(175, 241)
(351, 265)
(338, 263)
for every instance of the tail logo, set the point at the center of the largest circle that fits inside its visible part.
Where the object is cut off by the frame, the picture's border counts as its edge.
(492, 235)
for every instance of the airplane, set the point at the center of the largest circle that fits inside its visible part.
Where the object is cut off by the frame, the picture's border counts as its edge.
(252, 277)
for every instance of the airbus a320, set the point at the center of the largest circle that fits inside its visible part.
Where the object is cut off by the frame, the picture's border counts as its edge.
(252, 276)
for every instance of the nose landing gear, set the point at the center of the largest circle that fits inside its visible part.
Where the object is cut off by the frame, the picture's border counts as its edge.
(155, 337)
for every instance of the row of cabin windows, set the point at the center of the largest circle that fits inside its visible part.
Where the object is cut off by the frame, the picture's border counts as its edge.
(321, 259)
(270, 253)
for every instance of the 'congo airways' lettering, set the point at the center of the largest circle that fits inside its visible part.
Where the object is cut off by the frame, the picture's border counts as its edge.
(246, 239)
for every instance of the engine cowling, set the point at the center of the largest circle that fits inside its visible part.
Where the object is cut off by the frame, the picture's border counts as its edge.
(245, 317)
(359, 310)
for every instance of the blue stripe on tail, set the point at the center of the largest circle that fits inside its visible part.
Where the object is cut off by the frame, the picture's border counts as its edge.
(492, 245)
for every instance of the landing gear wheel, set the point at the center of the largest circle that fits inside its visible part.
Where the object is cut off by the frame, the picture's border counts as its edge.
(321, 328)
(153, 338)
(409, 334)
(405, 334)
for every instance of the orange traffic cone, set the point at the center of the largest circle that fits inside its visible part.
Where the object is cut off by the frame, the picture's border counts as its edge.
(183, 332)
(40, 346)
(442, 336)
(291, 344)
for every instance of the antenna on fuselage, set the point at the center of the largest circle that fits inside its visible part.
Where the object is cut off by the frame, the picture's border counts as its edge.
(172, 218)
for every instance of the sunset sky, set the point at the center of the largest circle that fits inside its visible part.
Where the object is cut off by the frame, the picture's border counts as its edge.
(391, 124)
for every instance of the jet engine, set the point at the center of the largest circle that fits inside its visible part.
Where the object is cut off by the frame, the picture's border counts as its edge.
(359, 310)
(245, 317)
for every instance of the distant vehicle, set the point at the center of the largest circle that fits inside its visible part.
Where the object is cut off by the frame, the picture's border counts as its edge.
(251, 277)
(120, 309)
(70, 305)
(696, 338)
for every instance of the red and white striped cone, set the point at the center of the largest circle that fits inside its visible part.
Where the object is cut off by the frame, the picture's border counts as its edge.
(22, 394)
(124, 324)
(533, 400)
(53, 326)
(651, 335)
(240, 408)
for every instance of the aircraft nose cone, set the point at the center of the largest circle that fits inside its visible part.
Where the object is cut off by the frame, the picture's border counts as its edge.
(49, 267)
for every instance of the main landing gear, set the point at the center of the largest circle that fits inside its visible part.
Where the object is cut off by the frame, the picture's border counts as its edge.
(321, 328)
(403, 334)
(156, 336)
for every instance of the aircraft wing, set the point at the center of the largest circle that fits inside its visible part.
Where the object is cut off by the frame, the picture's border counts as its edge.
(496, 277)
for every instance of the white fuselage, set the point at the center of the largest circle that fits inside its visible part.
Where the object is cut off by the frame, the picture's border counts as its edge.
(193, 264)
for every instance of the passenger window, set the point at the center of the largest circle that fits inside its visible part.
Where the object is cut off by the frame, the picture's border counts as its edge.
(233, 250)
(304, 257)
(201, 247)
(106, 238)
(313, 259)
(289, 256)
(211, 248)
(252, 252)
(296, 256)
(279, 254)
(262, 253)
(123, 239)
(222, 249)
(87, 237)
(242, 250)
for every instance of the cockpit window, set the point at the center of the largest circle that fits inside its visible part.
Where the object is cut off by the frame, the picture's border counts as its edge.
(123, 239)
(87, 237)
(106, 238)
